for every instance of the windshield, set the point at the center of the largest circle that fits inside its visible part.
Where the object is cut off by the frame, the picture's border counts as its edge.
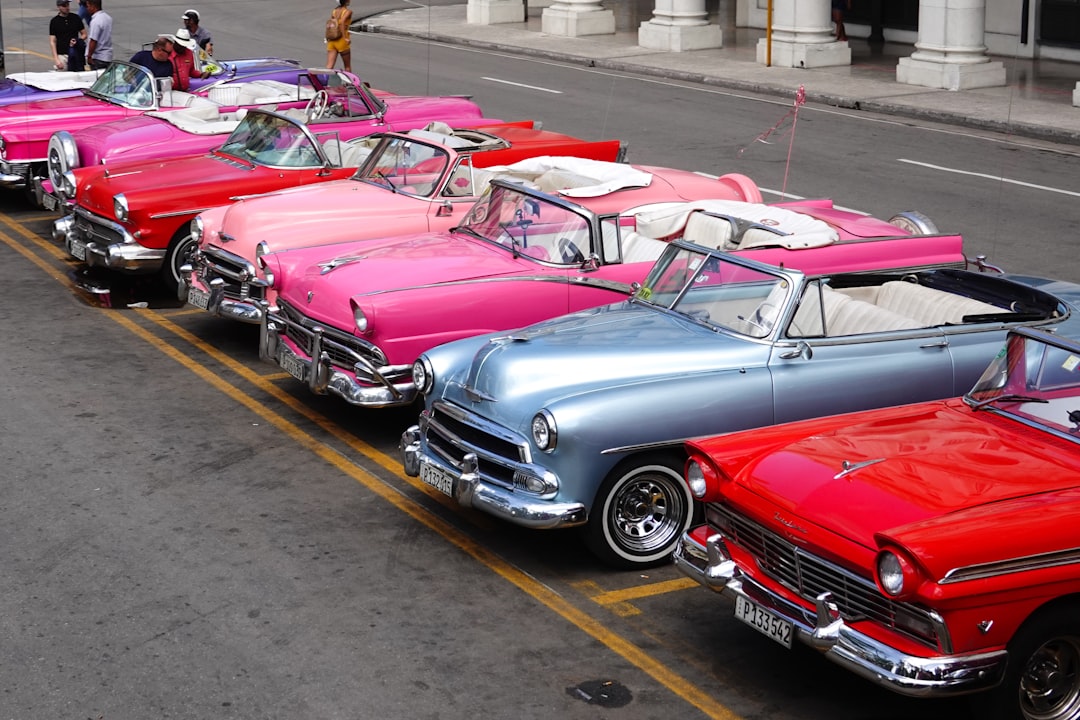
(530, 225)
(1036, 380)
(406, 166)
(711, 290)
(129, 85)
(266, 139)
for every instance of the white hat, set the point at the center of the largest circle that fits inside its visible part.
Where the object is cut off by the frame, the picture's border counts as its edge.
(181, 38)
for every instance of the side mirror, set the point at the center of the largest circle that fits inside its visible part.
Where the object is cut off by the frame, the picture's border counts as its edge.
(592, 264)
(445, 210)
(801, 350)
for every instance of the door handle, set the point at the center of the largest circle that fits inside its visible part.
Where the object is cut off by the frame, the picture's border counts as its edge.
(939, 344)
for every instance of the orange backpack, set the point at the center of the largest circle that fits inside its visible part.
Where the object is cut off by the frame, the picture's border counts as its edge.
(333, 29)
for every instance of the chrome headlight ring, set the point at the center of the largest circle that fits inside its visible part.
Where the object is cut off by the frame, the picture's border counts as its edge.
(890, 573)
(120, 207)
(544, 432)
(423, 375)
(197, 229)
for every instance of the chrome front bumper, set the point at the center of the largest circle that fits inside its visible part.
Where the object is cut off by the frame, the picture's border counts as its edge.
(941, 676)
(471, 491)
(322, 377)
(212, 299)
(126, 255)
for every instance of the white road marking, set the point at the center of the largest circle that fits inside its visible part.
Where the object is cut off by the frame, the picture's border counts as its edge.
(522, 85)
(995, 178)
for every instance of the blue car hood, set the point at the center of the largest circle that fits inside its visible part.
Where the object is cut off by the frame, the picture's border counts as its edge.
(514, 374)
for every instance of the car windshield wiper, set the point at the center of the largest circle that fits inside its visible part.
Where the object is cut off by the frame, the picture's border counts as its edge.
(1007, 397)
(388, 181)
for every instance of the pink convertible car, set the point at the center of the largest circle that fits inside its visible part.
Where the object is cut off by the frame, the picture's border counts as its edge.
(328, 101)
(351, 319)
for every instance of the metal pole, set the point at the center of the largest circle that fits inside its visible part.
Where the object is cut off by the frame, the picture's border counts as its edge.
(768, 35)
(1, 39)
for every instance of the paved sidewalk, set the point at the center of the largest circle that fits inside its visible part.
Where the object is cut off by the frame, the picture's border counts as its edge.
(1037, 103)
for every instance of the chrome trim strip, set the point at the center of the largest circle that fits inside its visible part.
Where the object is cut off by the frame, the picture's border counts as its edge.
(596, 282)
(1041, 561)
(178, 213)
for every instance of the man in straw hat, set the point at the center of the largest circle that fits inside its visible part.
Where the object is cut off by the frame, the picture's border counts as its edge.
(183, 60)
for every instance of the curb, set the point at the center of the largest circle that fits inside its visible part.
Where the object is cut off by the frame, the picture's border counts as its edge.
(1038, 132)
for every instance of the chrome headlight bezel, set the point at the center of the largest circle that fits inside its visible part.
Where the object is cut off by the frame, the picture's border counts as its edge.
(890, 572)
(544, 432)
(120, 207)
(695, 478)
(197, 228)
(360, 320)
(69, 185)
(423, 375)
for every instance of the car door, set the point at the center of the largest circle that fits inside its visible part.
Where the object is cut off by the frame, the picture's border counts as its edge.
(815, 373)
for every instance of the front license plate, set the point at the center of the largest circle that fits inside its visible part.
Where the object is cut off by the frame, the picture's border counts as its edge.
(437, 478)
(198, 298)
(292, 365)
(763, 621)
(78, 249)
(51, 202)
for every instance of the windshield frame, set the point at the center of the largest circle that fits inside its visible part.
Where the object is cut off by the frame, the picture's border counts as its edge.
(576, 223)
(756, 306)
(369, 172)
(1034, 379)
(278, 121)
(110, 75)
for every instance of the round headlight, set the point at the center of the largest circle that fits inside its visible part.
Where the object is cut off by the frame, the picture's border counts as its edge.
(120, 207)
(890, 573)
(69, 185)
(268, 274)
(422, 375)
(197, 228)
(695, 478)
(543, 431)
(359, 318)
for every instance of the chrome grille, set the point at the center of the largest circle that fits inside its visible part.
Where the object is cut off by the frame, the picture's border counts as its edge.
(451, 435)
(344, 350)
(95, 232)
(808, 576)
(215, 263)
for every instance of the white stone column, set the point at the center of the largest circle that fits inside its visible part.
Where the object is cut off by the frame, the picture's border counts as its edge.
(678, 26)
(950, 52)
(1076, 95)
(573, 18)
(803, 36)
(493, 12)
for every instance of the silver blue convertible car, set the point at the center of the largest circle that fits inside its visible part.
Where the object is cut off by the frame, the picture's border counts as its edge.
(579, 420)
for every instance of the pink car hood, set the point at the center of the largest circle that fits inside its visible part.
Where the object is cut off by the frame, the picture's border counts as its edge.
(409, 109)
(364, 210)
(392, 264)
(35, 122)
(918, 482)
(138, 138)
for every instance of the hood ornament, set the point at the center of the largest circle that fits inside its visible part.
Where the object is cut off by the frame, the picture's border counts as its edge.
(850, 467)
(331, 265)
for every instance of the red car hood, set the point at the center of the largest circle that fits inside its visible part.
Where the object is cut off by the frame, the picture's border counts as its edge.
(941, 470)
(196, 180)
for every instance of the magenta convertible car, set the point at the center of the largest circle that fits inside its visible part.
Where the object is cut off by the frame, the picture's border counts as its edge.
(328, 101)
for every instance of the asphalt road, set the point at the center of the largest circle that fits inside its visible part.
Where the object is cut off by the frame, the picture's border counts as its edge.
(189, 534)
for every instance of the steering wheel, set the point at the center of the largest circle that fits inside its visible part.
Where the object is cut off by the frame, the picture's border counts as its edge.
(570, 252)
(316, 106)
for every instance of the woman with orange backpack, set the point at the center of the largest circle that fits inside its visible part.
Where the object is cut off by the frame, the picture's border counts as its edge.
(337, 36)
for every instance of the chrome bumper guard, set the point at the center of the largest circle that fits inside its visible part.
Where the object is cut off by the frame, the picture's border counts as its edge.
(320, 375)
(470, 490)
(126, 255)
(823, 629)
(246, 311)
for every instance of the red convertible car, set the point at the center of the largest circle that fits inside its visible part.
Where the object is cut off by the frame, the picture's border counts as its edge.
(930, 548)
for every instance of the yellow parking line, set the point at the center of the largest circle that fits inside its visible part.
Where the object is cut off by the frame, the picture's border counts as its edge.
(674, 682)
(29, 52)
(643, 591)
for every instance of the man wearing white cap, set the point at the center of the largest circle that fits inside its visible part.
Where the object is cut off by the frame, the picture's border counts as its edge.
(199, 34)
(182, 58)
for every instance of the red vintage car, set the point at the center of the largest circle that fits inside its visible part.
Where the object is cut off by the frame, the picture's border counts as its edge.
(932, 548)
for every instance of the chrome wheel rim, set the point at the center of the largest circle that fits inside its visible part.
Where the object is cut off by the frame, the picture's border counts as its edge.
(647, 514)
(1050, 682)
